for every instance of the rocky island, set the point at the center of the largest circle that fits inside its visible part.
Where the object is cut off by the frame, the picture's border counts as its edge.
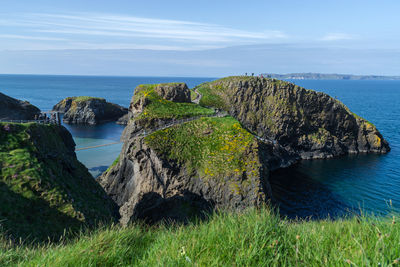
(14, 109)
(89, 110)
(171, 168)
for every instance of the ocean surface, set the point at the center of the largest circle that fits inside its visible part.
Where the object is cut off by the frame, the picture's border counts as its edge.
(317, 188)
(44, 91)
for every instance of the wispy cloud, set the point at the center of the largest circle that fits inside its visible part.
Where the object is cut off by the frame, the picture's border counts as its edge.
(28, 37)
(109, 29)
(338, 37)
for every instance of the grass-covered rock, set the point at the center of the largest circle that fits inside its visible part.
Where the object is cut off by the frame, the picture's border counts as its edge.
(44, 189)
(150, 102)
(188, 169)
(154, 105)
(89, 110)
(309, 123)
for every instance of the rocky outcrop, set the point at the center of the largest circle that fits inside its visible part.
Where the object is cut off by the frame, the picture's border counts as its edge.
(308, 123)
(89, 110)
(14, 109)
(148, 186)
(123, 120)
(45, 191)
(176, 92)
(219, 163)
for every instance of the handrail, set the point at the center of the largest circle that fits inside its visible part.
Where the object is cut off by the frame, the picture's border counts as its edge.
(28, 121)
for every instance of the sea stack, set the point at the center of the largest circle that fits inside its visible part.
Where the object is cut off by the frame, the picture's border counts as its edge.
(89, 110)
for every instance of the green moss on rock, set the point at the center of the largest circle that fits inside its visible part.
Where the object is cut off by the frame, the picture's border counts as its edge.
(44, 188)
(215, 147)
(158, 108)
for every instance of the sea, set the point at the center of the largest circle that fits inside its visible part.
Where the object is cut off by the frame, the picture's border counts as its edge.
(314, 189)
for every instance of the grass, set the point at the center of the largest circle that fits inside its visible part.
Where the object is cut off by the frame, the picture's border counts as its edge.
(210, 98)
(159, 108)
(86, 98)
(249, 238)
(215, 147)
(193, 95)
(43, 188)
(113, 164)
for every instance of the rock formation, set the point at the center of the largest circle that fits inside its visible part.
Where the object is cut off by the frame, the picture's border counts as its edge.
(225, 162)
(176, 92)
(14, 109)
(308, 123)
(44, 190)
(89, 110)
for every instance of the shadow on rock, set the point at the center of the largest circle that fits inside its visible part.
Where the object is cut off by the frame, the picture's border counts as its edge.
(153, 208)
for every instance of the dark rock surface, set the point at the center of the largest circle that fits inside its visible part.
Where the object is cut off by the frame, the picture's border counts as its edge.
(89, 110)
(176, 92)
(151, 188)
(14, 109)
(123, 120)
(308, 123)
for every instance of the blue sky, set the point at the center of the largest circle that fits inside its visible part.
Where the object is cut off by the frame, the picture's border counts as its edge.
(202, 38)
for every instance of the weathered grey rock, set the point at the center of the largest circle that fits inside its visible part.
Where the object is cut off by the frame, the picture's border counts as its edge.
(308, 123)
(123, 120)
(150, 188)
(176, 92)
(14, 109)
(89, 110)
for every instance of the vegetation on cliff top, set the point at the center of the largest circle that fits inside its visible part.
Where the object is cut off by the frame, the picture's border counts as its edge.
(249, 238)
(159, 108)
(215, 147)
(44, 189)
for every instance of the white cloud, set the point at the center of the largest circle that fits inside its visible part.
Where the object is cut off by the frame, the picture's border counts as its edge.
(27, 37)
(338, 37)
(110, 29)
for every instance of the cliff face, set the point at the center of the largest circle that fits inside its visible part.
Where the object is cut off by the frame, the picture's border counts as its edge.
(44, 188)
(224, 162)
(308, 123)
(14, 109)
(89, 110)
(177, 172)
(173, 173)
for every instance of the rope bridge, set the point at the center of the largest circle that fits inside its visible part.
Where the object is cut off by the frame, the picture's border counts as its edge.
(90, 147)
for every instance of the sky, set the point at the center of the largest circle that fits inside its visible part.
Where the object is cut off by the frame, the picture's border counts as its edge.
(199, 38)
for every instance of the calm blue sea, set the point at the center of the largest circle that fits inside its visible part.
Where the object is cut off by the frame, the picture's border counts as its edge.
(317, 188)
(45, 91)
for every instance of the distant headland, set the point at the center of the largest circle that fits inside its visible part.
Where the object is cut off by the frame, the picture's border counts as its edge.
(322, 76)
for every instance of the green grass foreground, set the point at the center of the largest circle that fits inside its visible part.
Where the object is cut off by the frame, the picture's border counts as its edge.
(251, 238)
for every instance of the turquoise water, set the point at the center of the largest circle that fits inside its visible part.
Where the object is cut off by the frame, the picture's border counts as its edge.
(45, 91)
(317, 188)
